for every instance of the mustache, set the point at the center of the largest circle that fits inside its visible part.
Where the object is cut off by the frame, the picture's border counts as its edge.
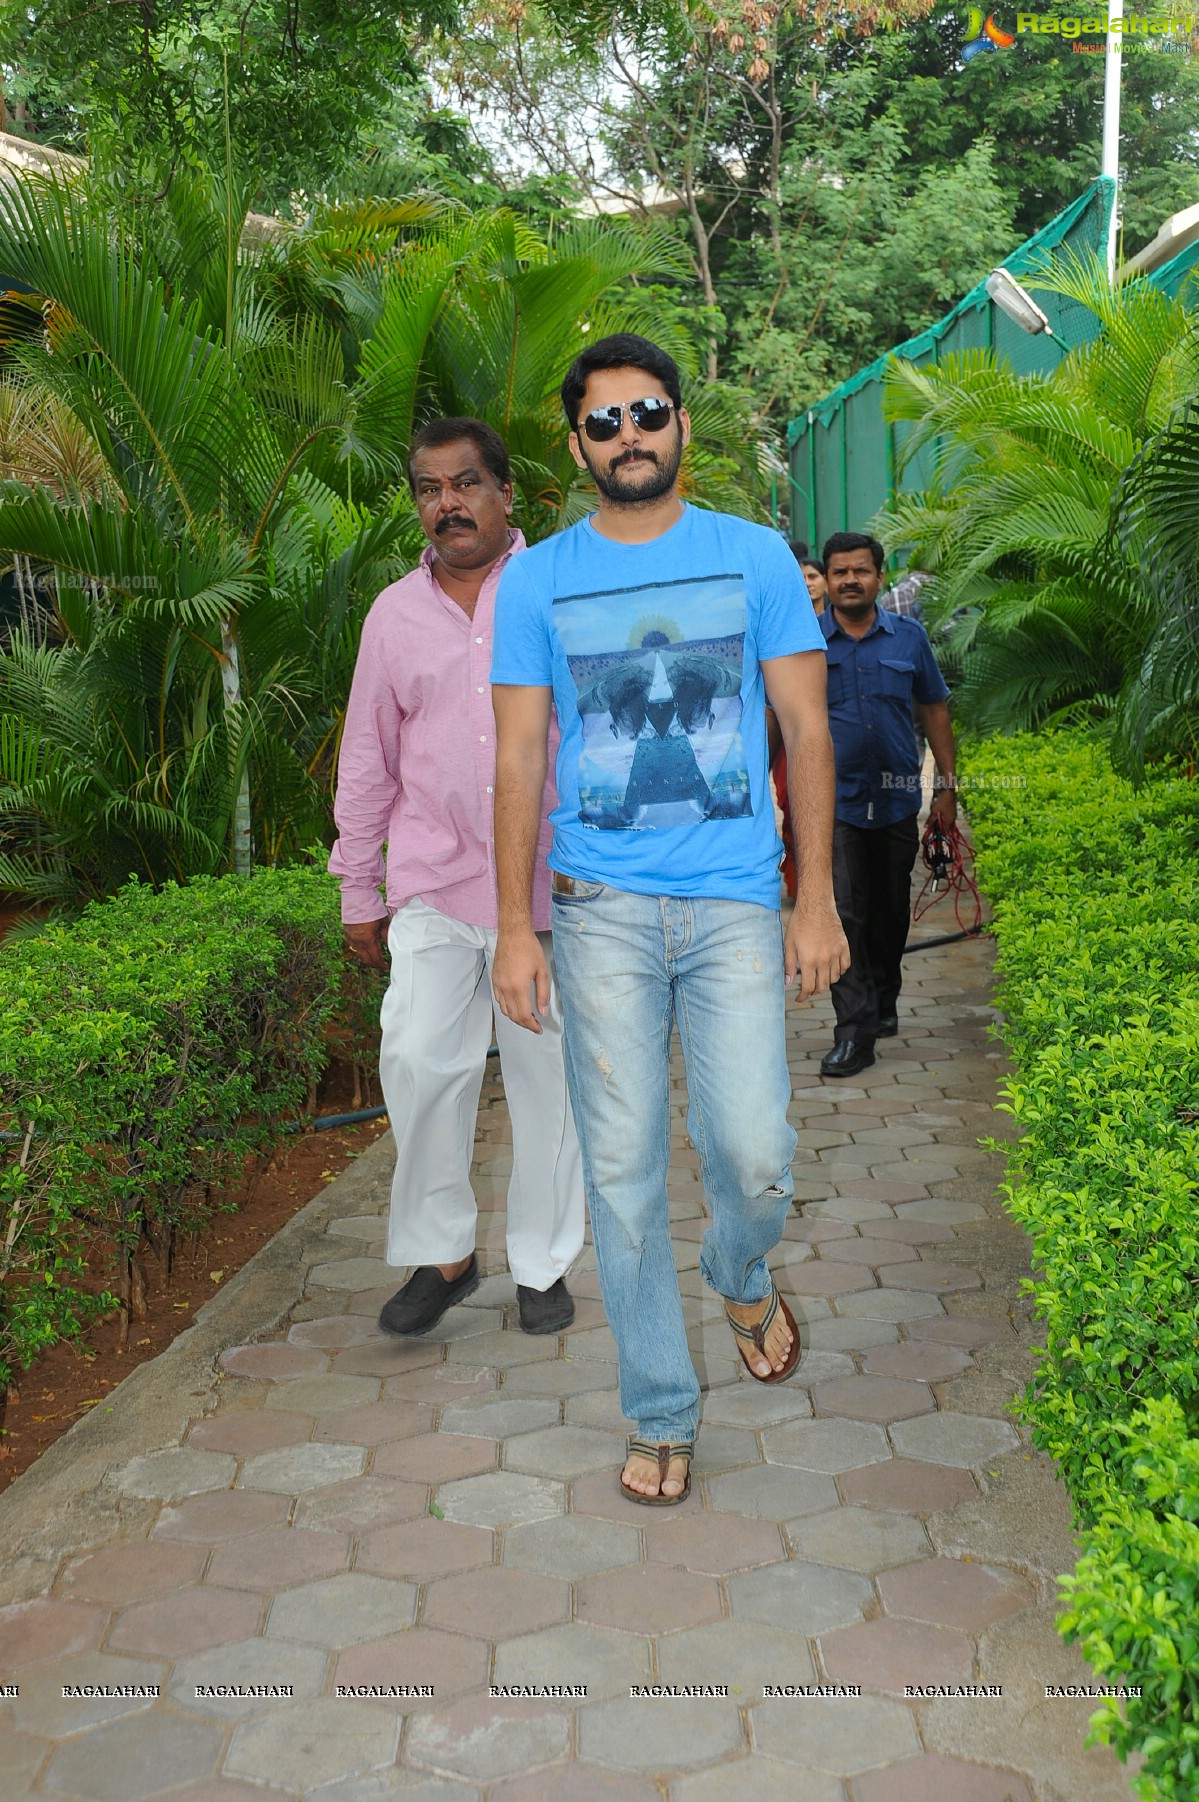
(454, 519)
(629, 455)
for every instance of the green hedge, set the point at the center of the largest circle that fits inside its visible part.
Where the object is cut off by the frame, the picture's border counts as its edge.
(145, 1049)
(1096, 893)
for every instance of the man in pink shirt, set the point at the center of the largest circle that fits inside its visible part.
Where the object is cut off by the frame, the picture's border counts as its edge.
(417, 772)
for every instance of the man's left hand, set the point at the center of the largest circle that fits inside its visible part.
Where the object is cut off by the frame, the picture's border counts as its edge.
(814, 949)
(944, 809)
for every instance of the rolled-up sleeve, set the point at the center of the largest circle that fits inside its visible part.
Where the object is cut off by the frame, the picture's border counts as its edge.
(368, 780)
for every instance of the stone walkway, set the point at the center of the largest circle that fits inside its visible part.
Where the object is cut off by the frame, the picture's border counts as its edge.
(287, 1499)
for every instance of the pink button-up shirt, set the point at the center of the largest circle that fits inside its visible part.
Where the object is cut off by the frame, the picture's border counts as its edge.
(417, 764)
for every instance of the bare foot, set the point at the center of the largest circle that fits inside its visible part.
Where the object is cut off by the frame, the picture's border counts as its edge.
(641, 1473)
(778, 1339)
(449, 1272)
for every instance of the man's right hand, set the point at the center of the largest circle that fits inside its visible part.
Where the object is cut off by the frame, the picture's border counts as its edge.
(518, 972)
(368, 942)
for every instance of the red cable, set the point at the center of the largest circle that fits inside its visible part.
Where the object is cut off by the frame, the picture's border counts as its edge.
(945, 851)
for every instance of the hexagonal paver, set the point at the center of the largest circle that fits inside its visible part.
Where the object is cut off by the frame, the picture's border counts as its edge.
(129, 1573)
(388, 1358)
(377, 1424)
(323, 1394)
(891, 1653)
(952, 1592)
(168, 1476)
(435, 1458)
(361, 1505)
(713, 1543)
(206, 1684)
(188, 1621)
(274, 1363)
(355, 1274)
(882, 1399)
(841, 1736)
(648, 1599)
(600, 1659)
(574, 1782)
(749, 1405)
(756, 1779)
(964, 1330)
(333, 1331)
(496, 1603)
(941, 1213)
(450, 1662)
(908, 1486)
(800, 1598)
(227, 1514)
(819, 1278)
(503, 1349)
(926, 1363)
(501, 1499)
(498, 1418)
(248, 1431)
(487, 1737)
(313, 1743)
(564, 1452)
(421, 1549)
(872, 1251)
(278, 1559)
(341, 1611)
(827, 1445)
(888, 1304)
(851, 1335)
(42, 1708)
(772, 1492)
(138, 1756)
(571, 1546)
(937, 1779)
(936, 1279)
(561, 1377)
(858, 1539)
(660, 1734)
(958, 1439)
(296, 1468)
(736, 1652)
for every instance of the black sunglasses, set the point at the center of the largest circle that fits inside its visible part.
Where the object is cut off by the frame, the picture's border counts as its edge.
(603, 423)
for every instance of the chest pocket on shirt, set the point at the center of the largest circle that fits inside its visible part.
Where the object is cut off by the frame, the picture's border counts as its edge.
(838, 685)
(895, 679)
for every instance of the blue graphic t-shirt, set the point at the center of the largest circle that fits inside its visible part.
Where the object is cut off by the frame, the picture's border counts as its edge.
(653, 654)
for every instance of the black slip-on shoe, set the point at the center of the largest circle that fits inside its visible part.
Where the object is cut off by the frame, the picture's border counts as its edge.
(846, 1058)
(425, 1297)
(545, 1310)
(888, 1026)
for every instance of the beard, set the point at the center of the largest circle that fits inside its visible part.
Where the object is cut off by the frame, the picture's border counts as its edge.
(625, 490)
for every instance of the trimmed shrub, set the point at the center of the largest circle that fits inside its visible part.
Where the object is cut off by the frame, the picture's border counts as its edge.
(145, 1050)
(1095, 886)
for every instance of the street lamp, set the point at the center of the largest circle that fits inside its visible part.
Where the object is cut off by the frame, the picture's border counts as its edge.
(1110, 159)
(1017, 303)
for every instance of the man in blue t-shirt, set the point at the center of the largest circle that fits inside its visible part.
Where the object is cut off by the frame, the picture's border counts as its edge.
(659, 631)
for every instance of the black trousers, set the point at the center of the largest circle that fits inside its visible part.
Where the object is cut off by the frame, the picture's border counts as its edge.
(872, 883)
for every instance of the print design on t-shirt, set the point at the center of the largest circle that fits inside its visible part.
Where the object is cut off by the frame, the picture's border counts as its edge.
(658, 670)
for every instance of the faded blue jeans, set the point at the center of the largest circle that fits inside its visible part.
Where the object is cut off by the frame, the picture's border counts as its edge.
(628, 965)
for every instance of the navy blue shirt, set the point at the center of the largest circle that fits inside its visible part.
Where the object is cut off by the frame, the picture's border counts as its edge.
(872, 683)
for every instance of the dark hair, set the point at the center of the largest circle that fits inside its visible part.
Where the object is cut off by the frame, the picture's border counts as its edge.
(854, 541)
(813, 562)
(799, 550)
(623, 350)
(493, 452)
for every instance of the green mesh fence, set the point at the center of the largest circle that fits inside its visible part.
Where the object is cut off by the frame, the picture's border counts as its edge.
(846, 462)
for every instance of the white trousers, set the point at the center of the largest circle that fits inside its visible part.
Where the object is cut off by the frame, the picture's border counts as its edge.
(437, 1019)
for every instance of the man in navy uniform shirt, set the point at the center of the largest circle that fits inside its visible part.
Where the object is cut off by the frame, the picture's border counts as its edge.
(879, 664)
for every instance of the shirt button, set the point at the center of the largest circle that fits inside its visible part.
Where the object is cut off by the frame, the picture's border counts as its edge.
(478, 641)
(482, 738)
(479, 690)
(490, 790)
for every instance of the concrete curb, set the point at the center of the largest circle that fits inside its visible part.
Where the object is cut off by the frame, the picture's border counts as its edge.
(66, 1497)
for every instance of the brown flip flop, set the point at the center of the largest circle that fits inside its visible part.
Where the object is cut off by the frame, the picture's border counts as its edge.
(758, 1335)
(643, 1448)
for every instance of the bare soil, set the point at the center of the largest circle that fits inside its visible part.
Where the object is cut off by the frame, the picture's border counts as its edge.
(71, 1379)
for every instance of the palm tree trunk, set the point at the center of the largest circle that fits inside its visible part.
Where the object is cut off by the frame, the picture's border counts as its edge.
(243, 841)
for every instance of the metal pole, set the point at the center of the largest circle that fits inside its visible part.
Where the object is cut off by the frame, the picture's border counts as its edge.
(1110, 161)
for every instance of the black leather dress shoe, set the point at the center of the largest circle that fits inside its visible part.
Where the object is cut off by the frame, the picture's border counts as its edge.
(425, 1297)
(545, 1310)
(888, 1026)
(846, 1058)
